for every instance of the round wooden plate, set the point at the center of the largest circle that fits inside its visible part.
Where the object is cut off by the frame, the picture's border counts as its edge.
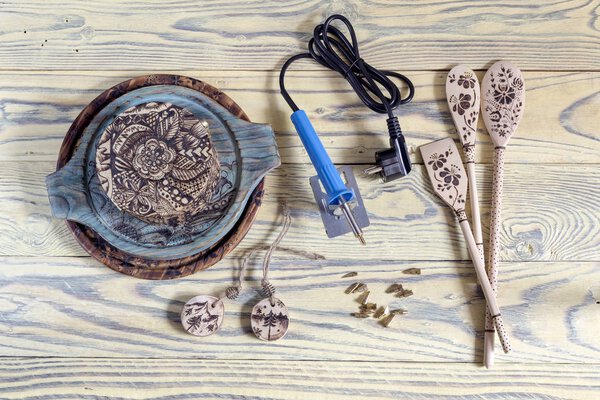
(141, 267)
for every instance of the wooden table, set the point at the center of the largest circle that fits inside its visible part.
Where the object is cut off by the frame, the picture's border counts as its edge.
(72, 328)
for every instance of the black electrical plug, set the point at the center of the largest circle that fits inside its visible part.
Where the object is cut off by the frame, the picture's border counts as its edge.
(375, 88)
(394, 162)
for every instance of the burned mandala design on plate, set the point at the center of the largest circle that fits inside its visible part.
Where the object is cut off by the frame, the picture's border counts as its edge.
(156, 162)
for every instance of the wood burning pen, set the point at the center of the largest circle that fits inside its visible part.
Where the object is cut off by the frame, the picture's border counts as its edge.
(338, 199)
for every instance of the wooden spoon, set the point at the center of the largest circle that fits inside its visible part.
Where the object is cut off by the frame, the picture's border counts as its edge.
(462, 94)
(463, 97)
(502, 105)
(447, 174)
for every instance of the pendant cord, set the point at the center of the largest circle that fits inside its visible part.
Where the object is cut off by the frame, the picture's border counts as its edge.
(268, 289)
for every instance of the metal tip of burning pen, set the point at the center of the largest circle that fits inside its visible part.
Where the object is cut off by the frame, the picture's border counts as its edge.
(361, 239)
(358, 233)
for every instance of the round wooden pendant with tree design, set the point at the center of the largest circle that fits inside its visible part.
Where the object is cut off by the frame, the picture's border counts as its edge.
(156, 162)
(202, 315)
(270, 319)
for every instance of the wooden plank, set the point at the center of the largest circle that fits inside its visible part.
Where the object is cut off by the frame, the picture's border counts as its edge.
(159, 379)
(59, 306)
(36, 110)
(551, 212)
(242, 35)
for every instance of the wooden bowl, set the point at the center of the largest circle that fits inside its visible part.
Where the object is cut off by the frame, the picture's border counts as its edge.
(149, 267)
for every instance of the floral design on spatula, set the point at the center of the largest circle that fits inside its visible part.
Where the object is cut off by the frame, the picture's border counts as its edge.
(448, 175)
(446, 171)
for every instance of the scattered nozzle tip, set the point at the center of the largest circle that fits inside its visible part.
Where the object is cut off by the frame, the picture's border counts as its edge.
(356, 287)
(395, 287)
(361, 288)
(399, 311)
(369, 307)
(386, 321)
(352, 288)
(349, 274)
(362, 299)
(360, 315)
(380, 312)
(404, 293)
(412, 271)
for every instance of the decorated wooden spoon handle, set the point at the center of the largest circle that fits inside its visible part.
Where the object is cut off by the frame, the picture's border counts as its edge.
(494, 249)
(496, 218)
(488, 340)
(488, 292)
(502, 335)
(489, 335)
(475, 213)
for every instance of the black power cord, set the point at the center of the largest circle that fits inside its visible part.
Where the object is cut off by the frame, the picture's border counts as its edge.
(330, 48)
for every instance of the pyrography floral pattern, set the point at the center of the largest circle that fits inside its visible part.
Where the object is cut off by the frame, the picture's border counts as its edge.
(465, 105)
(156, 162)
(504, 101)
(448, 177)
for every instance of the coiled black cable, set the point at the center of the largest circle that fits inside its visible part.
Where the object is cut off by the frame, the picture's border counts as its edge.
(330, 48)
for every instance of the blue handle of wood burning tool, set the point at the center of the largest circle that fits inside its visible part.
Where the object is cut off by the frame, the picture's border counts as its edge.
(329, 176)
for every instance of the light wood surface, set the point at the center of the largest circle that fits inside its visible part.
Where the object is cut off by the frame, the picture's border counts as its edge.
(70, 305)
(211, 379)
(38, 107)
(258, 34)
(408, 221)
(72, 328)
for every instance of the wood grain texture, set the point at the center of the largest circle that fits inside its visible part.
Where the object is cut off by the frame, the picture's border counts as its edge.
(58, 306)
(37, 108)
(159, 379)
(552, 213)
(56, 56)
(250, 35)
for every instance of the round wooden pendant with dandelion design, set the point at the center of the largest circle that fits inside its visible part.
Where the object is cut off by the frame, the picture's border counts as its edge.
(270, 319)
(202, 315)
(156, 162)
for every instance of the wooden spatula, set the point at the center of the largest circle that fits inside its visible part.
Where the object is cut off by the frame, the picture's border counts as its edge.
(502, 105)
(447, 174)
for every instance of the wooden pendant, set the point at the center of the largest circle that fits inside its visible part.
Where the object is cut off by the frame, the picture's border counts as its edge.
(270, 319)
(202, 315)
